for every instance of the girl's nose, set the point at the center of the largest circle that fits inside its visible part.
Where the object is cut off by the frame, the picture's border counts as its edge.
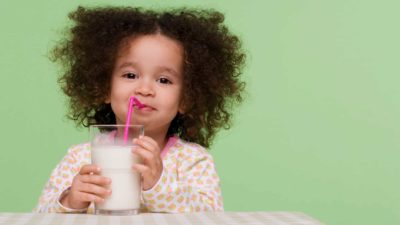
(144, 89)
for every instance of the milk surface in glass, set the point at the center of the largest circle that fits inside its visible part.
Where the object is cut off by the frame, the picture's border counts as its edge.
(115, 159)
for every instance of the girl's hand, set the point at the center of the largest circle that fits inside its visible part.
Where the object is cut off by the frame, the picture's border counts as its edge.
(87, 186)
(151, 167)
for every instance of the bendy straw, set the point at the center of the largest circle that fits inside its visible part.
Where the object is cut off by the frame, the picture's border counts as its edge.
(133, 101)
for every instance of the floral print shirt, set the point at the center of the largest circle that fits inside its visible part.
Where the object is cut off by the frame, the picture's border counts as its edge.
(189, 182)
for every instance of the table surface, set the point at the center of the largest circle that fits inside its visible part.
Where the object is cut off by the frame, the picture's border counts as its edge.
(232, 218)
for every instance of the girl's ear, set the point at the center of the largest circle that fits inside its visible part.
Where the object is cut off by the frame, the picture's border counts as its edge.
(181, 111)
(108, 100)
(181, 108)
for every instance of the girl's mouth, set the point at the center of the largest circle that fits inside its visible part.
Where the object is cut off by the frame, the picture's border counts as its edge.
(139, 105)
(144, 108)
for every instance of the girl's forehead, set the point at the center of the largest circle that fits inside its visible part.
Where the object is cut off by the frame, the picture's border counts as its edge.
(150, 50)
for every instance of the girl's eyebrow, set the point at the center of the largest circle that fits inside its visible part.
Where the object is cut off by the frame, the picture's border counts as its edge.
(169, 70)
(127, 64)
(161, 68)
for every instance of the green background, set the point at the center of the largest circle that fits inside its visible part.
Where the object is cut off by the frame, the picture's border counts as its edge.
(318, 132)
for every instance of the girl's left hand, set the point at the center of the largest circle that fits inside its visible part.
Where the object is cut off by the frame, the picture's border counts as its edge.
(151, 167)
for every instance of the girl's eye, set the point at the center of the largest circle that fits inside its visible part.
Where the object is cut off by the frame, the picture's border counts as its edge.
(164, 81)
(130, 75)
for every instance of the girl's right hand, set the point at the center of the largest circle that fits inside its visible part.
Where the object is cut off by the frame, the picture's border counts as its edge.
(87, 186)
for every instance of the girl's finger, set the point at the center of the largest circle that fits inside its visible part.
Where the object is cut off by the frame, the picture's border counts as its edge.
(88, 197)
(150, 141)
(149, 177)
(89, 169)
(149, 157)
(146, 144)
(94, 189)
(95, 179)
(142, 169)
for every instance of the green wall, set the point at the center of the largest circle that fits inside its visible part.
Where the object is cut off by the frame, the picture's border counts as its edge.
(318, 132)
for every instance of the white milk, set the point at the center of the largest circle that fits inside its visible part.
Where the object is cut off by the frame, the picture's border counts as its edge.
(116, 163)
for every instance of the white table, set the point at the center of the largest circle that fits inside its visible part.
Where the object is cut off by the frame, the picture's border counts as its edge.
(231, 218)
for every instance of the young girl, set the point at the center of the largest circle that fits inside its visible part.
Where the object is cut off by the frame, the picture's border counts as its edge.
(184, 65)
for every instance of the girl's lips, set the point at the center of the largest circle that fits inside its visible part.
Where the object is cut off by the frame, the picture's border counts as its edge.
(145, 108)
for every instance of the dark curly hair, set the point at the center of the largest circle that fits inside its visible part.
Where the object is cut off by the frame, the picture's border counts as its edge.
(213, 61)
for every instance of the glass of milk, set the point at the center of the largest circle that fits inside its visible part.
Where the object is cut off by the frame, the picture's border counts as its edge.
(112, 152)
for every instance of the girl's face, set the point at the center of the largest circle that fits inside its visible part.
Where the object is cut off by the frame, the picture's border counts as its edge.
(149, 67)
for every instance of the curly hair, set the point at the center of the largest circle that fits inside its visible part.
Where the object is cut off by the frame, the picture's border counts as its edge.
(213, 62)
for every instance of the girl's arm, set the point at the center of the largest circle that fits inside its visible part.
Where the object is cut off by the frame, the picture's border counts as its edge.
(61, 179)
(189, 183)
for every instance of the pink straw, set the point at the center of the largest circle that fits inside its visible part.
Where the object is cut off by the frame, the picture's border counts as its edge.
(132, 102)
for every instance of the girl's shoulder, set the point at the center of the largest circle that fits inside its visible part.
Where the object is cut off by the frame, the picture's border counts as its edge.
(78, 149)
(186, 148)
(192, 145)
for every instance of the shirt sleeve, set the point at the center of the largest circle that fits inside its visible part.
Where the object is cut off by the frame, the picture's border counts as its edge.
(59, 183)
(191, 185)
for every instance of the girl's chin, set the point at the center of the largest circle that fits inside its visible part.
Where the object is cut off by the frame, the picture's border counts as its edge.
(140, 122)
(132, 122)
